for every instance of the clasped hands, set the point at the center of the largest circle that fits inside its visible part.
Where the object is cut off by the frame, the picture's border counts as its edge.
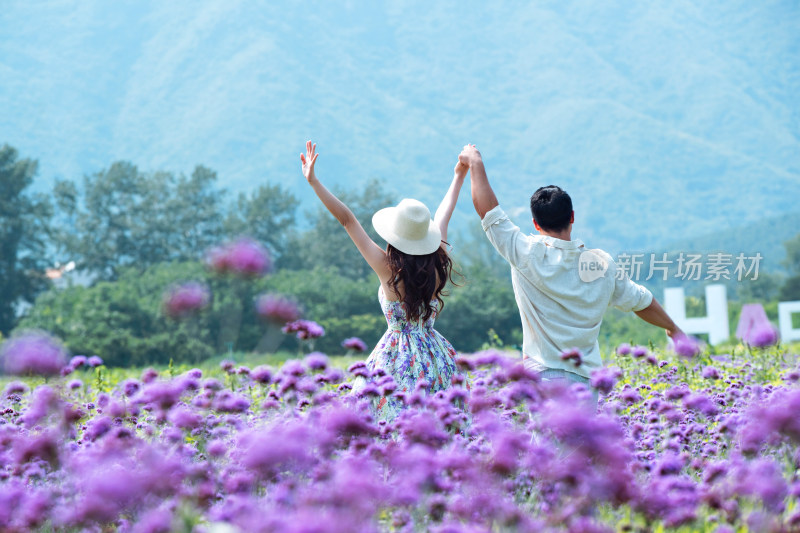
(466, 159)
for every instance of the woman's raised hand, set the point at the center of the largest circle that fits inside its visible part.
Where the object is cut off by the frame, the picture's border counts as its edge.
(308, 159)
(461, 170)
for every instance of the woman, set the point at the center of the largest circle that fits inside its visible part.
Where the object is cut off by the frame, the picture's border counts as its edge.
(413, 271)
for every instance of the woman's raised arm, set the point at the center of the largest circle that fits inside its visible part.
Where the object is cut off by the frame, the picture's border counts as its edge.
(445, 210)
(374, 254)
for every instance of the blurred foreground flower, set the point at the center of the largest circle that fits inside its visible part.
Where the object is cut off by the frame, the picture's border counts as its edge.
(304, 329)
(604, 378)
(276, 308)
(244, 257)
(685, 345)
(355, 344)
(762, 336)
(34, 352)
(755, 328)
(186, 299)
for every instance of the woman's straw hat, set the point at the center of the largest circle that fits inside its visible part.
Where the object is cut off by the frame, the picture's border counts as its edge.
(408, 227)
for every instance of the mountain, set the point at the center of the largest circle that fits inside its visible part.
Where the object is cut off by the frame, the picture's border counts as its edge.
(664, 120)
(766, 237)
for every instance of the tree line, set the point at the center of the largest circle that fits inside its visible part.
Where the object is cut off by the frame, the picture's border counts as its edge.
(132, 233)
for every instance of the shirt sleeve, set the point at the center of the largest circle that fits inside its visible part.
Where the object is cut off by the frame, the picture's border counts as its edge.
(505, 236)
(628, 295)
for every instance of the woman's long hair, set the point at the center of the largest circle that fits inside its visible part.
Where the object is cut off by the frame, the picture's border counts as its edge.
(423, 278)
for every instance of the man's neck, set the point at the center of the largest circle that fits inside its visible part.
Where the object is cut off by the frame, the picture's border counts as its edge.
(563, 235)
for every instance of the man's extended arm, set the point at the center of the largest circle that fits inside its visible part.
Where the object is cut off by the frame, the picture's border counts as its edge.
(655, 314)
(483, 197)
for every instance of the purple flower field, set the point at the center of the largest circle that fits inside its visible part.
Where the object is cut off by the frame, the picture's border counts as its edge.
(680, 442)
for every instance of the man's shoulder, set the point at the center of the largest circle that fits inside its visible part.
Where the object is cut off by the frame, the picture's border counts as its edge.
(606, 262)
(602, 253)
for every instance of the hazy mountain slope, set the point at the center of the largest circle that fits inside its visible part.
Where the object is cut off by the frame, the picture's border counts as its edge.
(766, 237)
(662, 119)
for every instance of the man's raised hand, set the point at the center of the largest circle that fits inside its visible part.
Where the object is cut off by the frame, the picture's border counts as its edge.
(308, 159)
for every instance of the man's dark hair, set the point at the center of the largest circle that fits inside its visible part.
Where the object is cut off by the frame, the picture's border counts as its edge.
(551, 208)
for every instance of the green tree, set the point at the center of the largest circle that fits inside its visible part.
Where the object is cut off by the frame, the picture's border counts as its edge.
(764, 289)
(124, 218)
(792, 261)
(472, 249)
(267, 215)
(24, 232)
(791, 288)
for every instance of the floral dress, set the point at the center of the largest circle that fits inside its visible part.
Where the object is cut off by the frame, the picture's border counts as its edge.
(409, 352)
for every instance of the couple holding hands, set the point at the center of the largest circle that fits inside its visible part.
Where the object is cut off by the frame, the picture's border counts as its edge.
(560, 312)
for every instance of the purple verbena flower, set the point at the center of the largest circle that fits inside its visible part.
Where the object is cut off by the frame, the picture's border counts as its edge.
(244, 258)
(262, 374)
(77, 361)
(685, 345)
(700, 402)
(762, 336)
(186, 299)
(355, 344)
(15, 387)
(639, 351)
(304, 329)
(316, 361)
(33, 352)
(277, 309)
(130, 387)
(149, 375)
(604, 378)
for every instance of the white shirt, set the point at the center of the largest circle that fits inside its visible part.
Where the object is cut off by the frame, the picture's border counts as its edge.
(559, 310)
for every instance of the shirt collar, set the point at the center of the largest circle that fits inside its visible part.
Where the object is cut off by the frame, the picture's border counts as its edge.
(574, 244)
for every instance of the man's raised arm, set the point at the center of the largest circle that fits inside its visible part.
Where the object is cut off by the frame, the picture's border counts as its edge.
(483, 197)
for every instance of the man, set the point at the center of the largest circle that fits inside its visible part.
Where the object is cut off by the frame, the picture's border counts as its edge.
(562, 289)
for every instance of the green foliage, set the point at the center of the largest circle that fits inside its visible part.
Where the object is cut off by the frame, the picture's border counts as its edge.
(790, 291)
(792, 261)
(24, 228)
(341, 304)
(484, 302)
(368, 327)
(122, 321)
(764, 289)
(124, 217)
(619, 327)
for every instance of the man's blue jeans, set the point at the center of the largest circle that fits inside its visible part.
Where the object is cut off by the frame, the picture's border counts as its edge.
(556, 374)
